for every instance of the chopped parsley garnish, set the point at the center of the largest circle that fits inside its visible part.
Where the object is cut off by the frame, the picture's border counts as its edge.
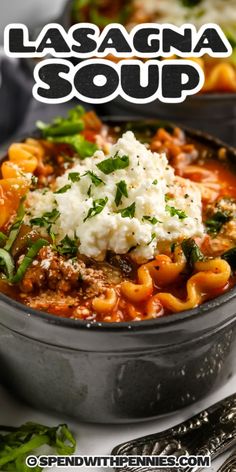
(89, 191)
(98, 206)
(152, 238)
(74, 176)
(121, 191)
(113, 163)
(46, 220)
(191, 251)
(154, 182)
(95, 179)
(151, 219)
(64, 189)
(215, 223)
(174, 211)
(128, 212)
(68, 246)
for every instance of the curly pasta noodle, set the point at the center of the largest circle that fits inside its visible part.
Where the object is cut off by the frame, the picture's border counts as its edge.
(23, 160)
(211, 275)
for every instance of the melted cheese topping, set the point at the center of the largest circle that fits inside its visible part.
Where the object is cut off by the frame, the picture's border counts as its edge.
(154, 206)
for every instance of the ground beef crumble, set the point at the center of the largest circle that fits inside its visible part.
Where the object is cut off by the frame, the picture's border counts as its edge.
(55, 272)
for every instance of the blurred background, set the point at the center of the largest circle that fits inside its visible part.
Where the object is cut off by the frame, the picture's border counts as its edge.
(213, 110)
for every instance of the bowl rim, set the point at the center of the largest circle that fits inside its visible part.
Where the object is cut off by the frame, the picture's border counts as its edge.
(123, 326)
(128, 326)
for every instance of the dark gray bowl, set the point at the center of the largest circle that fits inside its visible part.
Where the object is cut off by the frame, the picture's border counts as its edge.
(211, 113)
(123, 372)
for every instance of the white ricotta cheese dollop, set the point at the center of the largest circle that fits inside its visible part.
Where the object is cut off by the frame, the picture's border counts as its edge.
(128, 209)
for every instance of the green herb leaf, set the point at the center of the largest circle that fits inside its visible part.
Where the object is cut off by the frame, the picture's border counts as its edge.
(74, 176)
(174, 211)
(89, 190)
(28, 259)
(217, 221)
(68, 247)
(230, 257)
(154, 182)
(47, 220)
(63, 126)
(3, 238)
(113, 163)
(7, 263)
(151, 219)
(95, 179)
(128, 212)
(192, 251)
(18, 443)
(121, 191)
(98, 206)
(14, 230)
(64, 189)
(83, 147)
(152, 238)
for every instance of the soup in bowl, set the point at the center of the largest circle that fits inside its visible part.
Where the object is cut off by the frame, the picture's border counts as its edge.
(117, 267)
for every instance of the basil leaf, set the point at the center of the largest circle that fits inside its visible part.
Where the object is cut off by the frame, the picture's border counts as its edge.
(174, 211)
(7, 262)
(74, 176)
(64, 189)
(83, 147)
(191, 251)
(63, 126)
(68, 247)
(121, 191)
(217, 221)
(98, 206)
(95, 179)
(230, 257)
(128, 212)
(113, 163)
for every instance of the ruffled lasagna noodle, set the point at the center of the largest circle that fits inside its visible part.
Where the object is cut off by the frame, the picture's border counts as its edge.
(85, 235)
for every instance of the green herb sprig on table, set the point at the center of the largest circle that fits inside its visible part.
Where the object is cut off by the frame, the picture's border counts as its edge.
(16, 444)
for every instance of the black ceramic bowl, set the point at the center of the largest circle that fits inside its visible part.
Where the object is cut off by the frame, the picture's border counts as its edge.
(211, 113)
(101, 372)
